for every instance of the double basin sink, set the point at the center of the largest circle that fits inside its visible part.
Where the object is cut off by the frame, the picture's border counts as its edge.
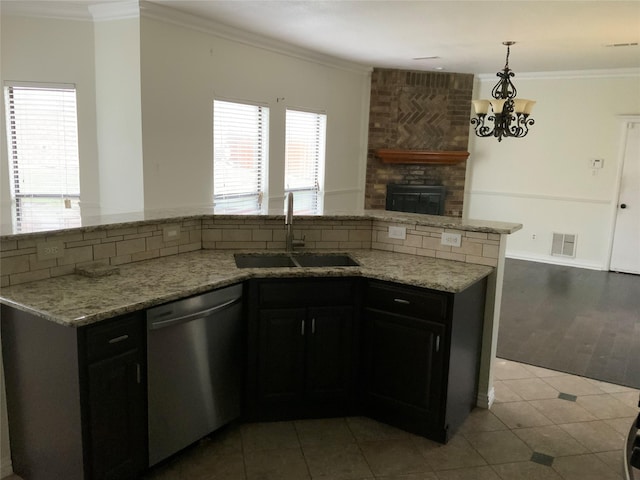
(274, 260)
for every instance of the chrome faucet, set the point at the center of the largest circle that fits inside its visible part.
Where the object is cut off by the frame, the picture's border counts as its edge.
(291, 242)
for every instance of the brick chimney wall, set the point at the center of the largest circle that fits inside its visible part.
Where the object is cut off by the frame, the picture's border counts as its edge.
(413, 110)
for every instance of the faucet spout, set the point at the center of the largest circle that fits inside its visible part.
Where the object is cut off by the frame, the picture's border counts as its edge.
(288, 221)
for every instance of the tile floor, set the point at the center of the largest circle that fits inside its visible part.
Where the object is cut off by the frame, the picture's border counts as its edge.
(544, 425)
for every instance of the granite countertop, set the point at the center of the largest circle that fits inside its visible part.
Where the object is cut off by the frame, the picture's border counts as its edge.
(90, 223)
(77, 300)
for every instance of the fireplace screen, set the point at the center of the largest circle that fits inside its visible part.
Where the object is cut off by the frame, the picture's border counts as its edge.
(427, 199)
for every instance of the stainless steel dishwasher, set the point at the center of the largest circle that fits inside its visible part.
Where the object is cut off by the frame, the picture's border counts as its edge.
(194, 353)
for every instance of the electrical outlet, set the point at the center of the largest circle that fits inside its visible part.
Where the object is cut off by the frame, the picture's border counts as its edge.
(398, 232)
(170, 233)
(451, 239)
(49, 250)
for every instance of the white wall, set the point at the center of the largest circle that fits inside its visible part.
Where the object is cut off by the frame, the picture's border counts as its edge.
(54, 51)
(184, 69)
(50, 51)
(544, 180)
(119, 122)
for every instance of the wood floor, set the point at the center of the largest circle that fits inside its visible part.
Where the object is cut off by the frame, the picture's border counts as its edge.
(573, 320)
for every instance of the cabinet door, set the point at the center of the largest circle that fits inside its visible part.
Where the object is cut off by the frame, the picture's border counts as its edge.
(281, 361)
(117, 411)
(403, 369)
(329, 346)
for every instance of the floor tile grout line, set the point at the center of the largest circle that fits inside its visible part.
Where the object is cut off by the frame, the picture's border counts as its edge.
(360, 448)
(244, 456)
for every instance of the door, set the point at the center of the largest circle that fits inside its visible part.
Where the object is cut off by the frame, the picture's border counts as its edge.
(281, 360)
(329, 347)
(403, 369)
(117, 412)
(625, 253)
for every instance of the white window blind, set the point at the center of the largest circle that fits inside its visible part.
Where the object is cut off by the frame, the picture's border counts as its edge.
(240, 153)
(304, 159)
(42, 139)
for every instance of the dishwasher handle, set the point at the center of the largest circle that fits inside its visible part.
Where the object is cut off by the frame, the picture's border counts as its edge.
(193, 316)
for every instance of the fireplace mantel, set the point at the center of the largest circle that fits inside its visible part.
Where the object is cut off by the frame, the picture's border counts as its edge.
(421, 156)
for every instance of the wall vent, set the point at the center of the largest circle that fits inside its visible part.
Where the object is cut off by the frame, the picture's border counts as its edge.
(564, 245)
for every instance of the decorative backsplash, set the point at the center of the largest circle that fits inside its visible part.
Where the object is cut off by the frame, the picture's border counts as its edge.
(116, 245)
(426, 111)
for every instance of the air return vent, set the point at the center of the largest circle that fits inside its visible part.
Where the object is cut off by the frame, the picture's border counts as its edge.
(564, 245)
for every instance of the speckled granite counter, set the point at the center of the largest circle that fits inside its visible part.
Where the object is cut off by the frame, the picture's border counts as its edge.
(90, 224)
(76, 300)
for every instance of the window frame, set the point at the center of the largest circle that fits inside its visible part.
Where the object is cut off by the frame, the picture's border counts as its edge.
(313, 194)
(238, 202)
(38, 203)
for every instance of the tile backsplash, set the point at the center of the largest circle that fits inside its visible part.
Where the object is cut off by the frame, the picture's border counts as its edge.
(117, 245)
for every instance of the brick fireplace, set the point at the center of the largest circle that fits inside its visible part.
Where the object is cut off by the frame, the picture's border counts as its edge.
(418, 111)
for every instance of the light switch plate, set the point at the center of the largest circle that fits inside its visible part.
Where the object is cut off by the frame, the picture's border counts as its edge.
(398, 232)
(451, 239)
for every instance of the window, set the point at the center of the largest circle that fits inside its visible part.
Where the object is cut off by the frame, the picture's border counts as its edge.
(42, 139)
(240, 153)
(304, 159)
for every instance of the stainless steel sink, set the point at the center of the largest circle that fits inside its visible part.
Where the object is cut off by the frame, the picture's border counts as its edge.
(264, 260)
(275, 260)
(325, 260)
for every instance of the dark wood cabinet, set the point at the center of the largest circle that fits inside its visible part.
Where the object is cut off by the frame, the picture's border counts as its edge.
(329, 344)
(317, 347)
(402, 369)
(116, 399)
(281, 354)
(302, 333)
(420, 356)
(82, 413)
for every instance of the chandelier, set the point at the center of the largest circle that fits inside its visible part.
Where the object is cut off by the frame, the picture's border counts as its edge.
(509, 115)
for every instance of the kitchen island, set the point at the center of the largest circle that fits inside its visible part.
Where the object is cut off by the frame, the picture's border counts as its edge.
(110, 274)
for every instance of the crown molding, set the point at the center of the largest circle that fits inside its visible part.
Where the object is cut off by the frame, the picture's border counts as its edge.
(102, 12)
(604, 73)
(72, 10)
(169, 15)
(60, 10)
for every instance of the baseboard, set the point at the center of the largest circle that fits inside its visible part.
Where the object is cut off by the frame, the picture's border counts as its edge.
(532, 257)
(6, 467)
(485, 401)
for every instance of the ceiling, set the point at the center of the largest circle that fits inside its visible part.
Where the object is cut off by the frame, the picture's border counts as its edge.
(466, 36)
(463, 36)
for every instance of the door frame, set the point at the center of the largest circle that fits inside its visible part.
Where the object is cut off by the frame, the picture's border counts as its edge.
(624, 120)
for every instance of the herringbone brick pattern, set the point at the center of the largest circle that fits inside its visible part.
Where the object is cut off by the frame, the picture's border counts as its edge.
(418, 111)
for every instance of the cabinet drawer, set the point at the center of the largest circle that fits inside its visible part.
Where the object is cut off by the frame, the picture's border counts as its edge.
(114, 337)
(301, 292)
(406, 301)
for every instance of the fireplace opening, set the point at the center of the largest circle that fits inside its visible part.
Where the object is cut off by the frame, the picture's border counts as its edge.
(428, 199)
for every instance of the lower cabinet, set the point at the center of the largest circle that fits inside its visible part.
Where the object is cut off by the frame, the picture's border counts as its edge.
(420, 356)
(317, 347)
(82, 412)
(116, 398)
(302, 348)
(406, 356)
(402, 370)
